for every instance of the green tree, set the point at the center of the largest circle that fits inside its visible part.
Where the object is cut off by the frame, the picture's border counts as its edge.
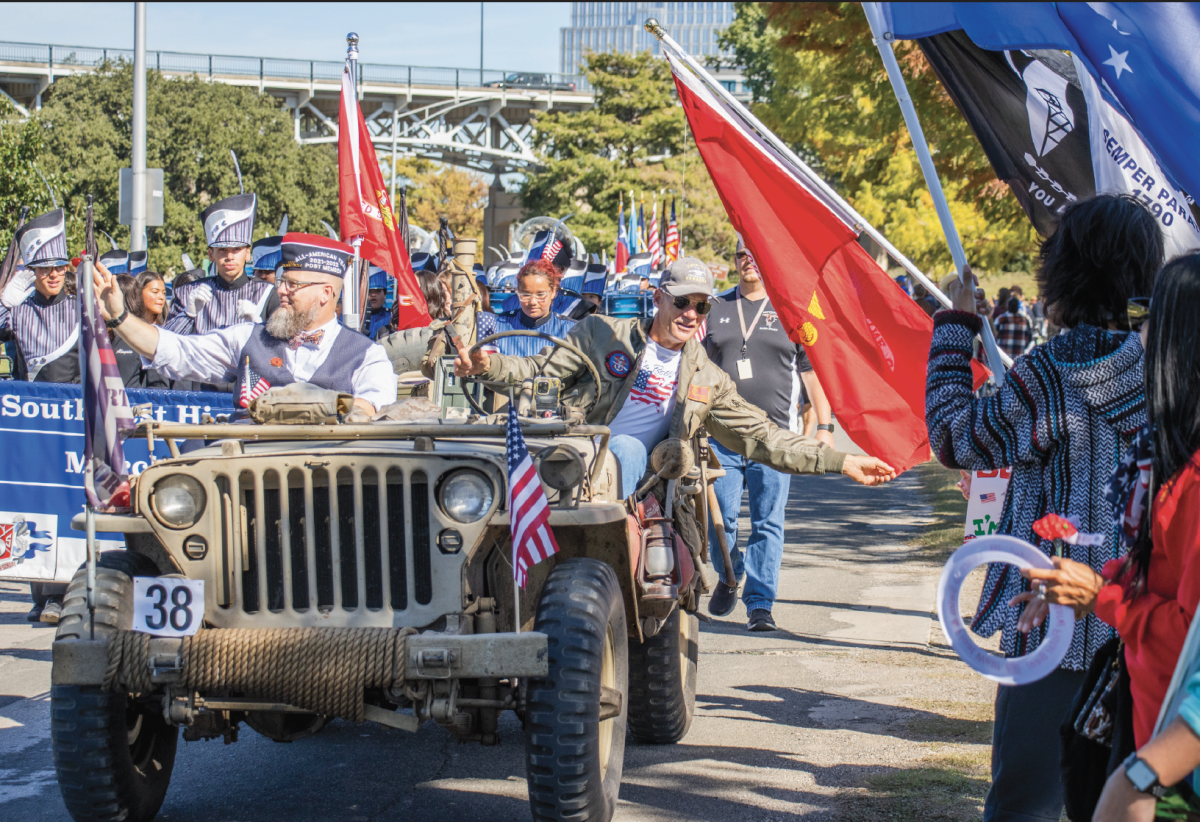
(191, 127)
(823, 89)
(22, 155)
(634, 138)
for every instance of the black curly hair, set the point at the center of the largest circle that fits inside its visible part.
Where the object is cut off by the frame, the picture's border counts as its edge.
(1105, 250)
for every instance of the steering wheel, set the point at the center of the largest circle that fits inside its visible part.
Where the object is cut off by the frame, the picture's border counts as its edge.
(498, 386)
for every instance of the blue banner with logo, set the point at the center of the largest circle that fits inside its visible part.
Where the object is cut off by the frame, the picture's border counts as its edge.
(41, 484)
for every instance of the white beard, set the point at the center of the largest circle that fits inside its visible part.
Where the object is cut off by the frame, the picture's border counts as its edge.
(286, 323)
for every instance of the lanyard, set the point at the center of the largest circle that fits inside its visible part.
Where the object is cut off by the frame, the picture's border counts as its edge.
(742, 319)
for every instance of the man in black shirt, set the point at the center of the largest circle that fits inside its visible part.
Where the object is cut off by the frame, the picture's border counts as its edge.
(746, 340)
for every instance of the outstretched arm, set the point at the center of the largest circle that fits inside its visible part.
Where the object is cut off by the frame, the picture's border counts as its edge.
(141, 336)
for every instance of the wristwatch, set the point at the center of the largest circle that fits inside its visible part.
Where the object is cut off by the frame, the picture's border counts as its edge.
(1142, 776)
(825, 426)
(113, 323)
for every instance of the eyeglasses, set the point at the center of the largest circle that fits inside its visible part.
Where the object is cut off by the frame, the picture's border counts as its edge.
(540, 297)
(284, 284)
(683, 303)
(1137, 310)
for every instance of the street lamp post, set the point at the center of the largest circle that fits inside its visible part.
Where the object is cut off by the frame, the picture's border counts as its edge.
(137, 222)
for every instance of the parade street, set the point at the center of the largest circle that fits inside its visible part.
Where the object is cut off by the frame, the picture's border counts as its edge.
(855, 709)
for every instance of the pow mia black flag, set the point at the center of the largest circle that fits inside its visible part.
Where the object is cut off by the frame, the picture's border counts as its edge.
(1028, 112)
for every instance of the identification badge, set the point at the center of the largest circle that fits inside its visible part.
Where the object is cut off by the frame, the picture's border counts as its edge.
(745, 372)
(165, 606)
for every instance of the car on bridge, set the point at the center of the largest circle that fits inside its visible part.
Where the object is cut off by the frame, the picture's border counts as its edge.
(536, 81)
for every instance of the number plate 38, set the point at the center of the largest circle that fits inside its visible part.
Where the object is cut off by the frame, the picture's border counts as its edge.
(164, 606)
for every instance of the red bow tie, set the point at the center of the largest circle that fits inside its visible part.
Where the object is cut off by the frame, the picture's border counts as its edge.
(303, 337)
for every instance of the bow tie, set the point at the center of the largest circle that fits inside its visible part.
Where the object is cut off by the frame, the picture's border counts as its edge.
(303, 337)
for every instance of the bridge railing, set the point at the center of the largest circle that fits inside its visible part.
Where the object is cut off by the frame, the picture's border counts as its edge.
(224, 65)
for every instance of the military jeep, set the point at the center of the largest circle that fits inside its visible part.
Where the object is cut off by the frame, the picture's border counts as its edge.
(363, 571)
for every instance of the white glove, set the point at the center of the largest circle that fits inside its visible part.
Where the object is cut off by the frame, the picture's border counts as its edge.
(196, 300)
(18, 288)
(248, 310)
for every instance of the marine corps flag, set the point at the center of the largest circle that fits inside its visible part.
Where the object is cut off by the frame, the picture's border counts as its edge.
(364, 209)
(867, 340)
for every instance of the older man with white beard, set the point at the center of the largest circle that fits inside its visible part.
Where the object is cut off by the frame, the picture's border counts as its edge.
(301, 342)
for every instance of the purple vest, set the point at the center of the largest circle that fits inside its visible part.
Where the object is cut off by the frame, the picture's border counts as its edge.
(336, 373)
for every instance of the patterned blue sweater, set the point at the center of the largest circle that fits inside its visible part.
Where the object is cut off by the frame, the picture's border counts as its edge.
(1064, 417)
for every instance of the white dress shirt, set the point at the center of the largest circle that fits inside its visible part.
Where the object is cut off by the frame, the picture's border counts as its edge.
(213, 358)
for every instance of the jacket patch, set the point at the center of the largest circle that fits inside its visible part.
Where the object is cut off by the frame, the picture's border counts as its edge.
(618, 364)
(699, 393)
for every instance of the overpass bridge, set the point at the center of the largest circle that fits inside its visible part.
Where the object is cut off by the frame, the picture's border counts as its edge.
(466, 117)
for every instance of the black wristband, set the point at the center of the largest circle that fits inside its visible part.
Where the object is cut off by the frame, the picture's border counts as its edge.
(825, 426)
(115, 322)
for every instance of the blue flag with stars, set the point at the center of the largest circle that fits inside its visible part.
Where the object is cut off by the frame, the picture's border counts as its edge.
(1143, 55)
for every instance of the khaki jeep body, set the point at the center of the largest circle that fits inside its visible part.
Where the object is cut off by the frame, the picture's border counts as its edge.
(322, 545)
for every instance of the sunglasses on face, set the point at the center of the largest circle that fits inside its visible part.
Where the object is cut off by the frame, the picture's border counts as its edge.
(683, 303)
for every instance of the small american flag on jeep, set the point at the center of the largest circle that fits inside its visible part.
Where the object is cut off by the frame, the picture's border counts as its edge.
(253, 386)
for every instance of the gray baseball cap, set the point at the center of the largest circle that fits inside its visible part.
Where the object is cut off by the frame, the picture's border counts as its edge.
(687, 276)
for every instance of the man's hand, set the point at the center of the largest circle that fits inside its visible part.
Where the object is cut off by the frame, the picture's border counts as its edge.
(868, 470)
(471, 363)
(108, 292)
(964, 484)
(968, 297)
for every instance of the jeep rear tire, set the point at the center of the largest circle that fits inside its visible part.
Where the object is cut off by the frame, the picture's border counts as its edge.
(113, 754)
(662, 681)
(573, 757)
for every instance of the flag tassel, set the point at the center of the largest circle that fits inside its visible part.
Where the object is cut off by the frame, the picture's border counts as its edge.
(883, 42)
(830, 197)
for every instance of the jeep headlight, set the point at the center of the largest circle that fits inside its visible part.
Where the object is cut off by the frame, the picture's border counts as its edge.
(466, 495)
(178, 500)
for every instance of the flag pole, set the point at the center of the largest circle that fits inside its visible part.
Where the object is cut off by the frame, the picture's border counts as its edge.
(883, 41)
(88, 294)
(830, 198)
(351, 313)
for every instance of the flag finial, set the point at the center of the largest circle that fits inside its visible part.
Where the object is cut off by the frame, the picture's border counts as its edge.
(352, 45)
(652, 26)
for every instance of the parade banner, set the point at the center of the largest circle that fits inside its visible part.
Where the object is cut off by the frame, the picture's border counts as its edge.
(41, 484)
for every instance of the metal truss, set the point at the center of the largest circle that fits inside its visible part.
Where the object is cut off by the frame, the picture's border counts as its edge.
(470, 131)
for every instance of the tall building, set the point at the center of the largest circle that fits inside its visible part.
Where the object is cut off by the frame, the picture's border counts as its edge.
(618, 27)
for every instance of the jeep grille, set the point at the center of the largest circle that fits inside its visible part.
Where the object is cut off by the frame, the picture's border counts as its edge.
(332, 542)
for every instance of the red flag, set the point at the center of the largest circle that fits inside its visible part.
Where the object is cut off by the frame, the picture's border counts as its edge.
(867, 340)
(365, 211)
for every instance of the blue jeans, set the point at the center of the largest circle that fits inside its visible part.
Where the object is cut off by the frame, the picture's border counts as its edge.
(632, 457)
(764, 549)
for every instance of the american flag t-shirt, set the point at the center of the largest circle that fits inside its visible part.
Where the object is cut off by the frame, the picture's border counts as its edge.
(648, 408)
(528, 511)
(653, 388)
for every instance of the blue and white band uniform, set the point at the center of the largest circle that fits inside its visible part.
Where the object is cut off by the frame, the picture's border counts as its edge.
(551, 324)
(216, 357)
(217, 304)
(46, 331)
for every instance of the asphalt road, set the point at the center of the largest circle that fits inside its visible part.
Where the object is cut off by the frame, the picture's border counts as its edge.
(785, 722)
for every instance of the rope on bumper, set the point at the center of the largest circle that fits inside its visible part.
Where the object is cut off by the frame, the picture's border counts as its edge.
(323, 670)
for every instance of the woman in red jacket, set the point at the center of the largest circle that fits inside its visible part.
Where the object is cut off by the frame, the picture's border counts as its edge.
(1150, 595)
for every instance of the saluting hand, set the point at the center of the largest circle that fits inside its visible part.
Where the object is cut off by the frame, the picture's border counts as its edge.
(108, 292)
(868, 470)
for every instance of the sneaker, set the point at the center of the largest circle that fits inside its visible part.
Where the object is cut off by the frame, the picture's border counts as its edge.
(761, 620)
(51, 612)
(35, 613)
(723, 599)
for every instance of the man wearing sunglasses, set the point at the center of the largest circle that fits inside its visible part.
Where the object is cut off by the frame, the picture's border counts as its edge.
(301, 342)
(650, 367)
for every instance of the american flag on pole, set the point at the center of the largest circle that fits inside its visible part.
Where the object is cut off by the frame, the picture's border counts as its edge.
(652, 244)
(253, 386)
(671, 246)
(106, 409)
(528, 510)
(550, 249)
